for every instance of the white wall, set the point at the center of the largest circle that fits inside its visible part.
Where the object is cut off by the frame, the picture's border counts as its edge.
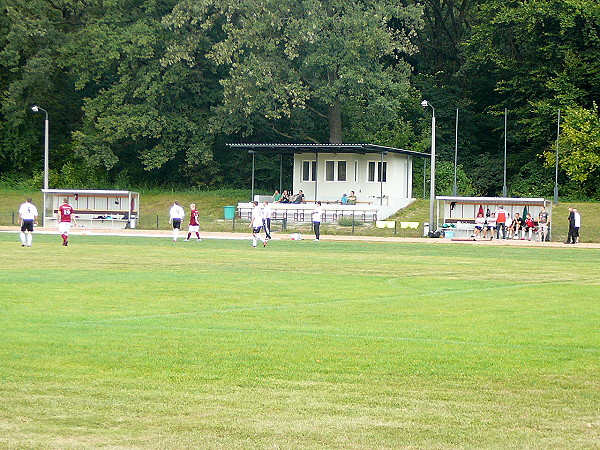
(398, 185)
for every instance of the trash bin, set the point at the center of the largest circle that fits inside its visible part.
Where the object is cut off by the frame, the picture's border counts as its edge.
(132, 222)
(229, 212)
(425, 228)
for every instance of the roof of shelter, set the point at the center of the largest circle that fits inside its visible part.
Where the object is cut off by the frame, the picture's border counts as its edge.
(326, 148)
(495, 200)
(87, 191)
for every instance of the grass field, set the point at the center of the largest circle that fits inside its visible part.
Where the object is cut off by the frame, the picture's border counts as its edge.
(145, 343)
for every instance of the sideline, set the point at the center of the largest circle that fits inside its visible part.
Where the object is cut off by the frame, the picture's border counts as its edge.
(286, 236)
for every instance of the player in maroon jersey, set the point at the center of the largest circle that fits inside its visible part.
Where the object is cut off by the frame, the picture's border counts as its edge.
(66, 217)
(194, 223)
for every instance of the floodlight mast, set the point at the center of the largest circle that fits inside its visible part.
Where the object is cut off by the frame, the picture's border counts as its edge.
(432, 224)
(35, 109)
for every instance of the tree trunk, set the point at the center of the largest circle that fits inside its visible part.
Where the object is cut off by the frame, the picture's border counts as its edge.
(334, 117)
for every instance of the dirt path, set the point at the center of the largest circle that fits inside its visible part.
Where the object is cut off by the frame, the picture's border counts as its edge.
(283, 236)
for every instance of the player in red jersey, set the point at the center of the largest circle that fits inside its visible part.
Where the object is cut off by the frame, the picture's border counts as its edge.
(66, 217)
(194, 223)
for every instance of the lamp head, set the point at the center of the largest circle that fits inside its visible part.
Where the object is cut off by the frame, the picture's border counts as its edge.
(35, 108)
(424, 103)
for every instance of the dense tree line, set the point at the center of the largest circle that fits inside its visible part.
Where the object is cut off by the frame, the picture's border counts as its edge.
(147, 92)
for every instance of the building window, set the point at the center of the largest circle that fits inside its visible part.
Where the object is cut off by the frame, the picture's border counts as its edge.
(341, 174)
(329, 170)
(371, 173)
(377, 172)
(382, 171)
(309, 170)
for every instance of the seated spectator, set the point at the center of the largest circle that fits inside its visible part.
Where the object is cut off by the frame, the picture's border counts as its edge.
(276, 196)
(529, 227)
(285, 197)
(352, 198)
(517, 224)
(344, 199)
(299, 197)
(510, 227)
(479, 225)
(490, 226)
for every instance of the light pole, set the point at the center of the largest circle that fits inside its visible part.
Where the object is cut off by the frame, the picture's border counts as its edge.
(454, 186)
(556, 165)
(35, 109)
(425, 104)
(504, 188)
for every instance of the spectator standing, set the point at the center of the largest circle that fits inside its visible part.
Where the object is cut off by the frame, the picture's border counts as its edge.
(316, 219)
(28, 214)
(66, 217)
(571, 238)
(501, 222)
(577, 225)
(194, 226)
(543, 225)
(176, 214)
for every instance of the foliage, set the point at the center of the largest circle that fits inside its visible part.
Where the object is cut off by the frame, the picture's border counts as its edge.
(294, 61)
(349, 222)
(579, 147)
(444, 180)
(148, 92)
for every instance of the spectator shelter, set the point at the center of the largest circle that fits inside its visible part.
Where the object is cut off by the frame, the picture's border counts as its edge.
(94, 208)
(459, 213)
(381, 177)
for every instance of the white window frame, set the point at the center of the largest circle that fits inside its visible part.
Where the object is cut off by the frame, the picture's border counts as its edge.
(339, 164)
(377, 173)
(332, 171)
(312, 170)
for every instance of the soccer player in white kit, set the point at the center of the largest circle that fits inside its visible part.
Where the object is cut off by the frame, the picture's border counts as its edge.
(175, 217)
(28, 214)
(257, 224)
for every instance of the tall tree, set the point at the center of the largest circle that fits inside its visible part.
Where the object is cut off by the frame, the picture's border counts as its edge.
(143, 111)
(539, 55)
(304, 66)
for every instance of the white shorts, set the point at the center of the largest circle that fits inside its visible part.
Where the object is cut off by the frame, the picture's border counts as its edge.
(64, 227)
(194, 228)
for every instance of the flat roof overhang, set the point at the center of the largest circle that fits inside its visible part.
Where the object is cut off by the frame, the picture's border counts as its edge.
(325, 148)
(495, 200)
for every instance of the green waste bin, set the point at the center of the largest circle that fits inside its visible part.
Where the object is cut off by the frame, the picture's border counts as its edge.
(229, 212)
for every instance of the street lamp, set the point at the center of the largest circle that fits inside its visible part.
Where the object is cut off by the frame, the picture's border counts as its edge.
(36, 109)
(556, 165)
(425, 104)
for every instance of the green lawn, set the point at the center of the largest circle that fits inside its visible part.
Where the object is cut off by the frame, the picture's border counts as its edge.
(145, 343)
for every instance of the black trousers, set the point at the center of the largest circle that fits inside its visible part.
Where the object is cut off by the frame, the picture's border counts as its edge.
(572, 236)
(317, 227)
